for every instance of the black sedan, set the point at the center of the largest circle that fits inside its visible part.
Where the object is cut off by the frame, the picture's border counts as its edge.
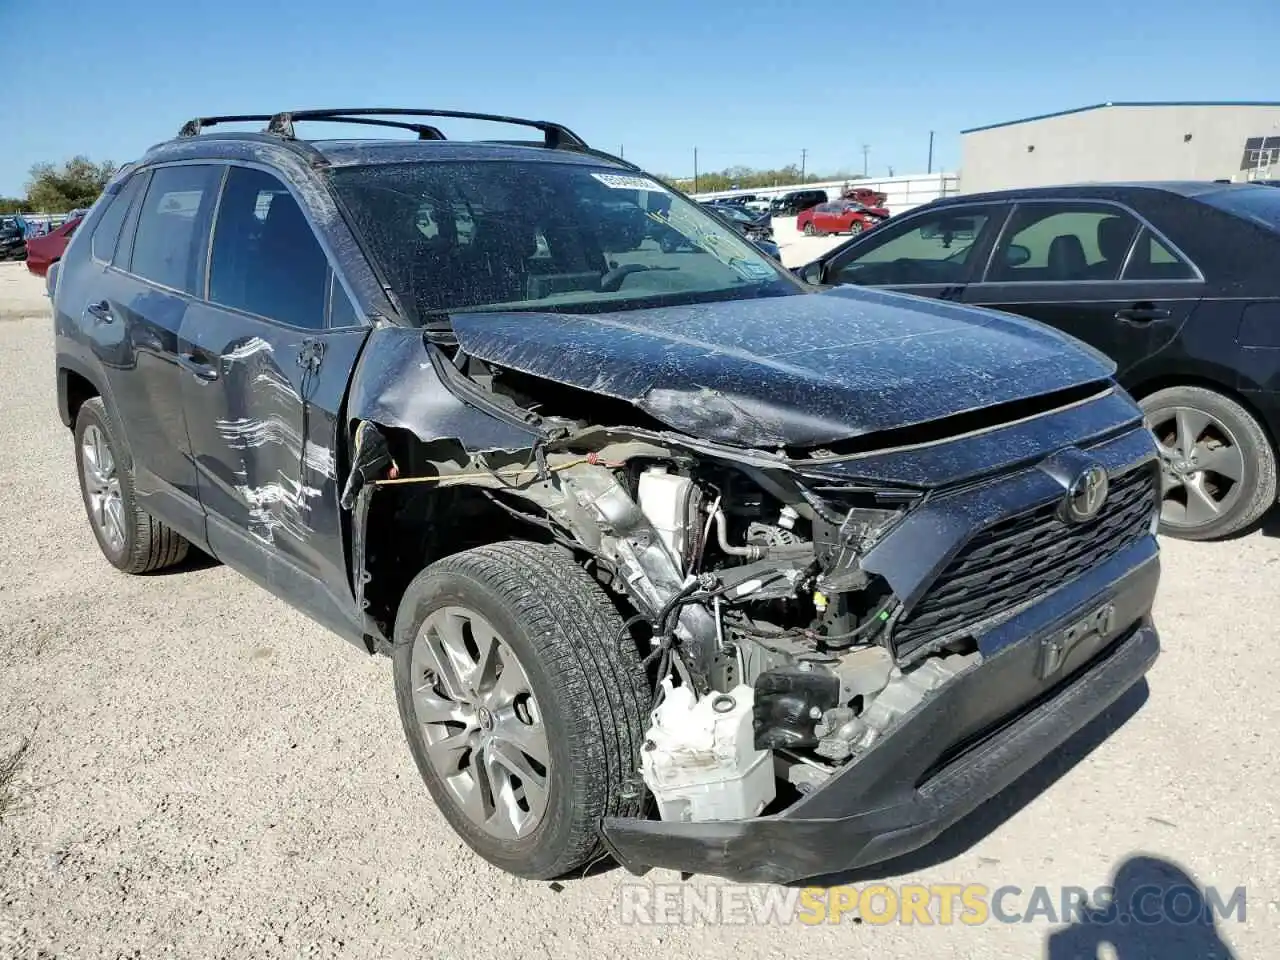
(1179, 283)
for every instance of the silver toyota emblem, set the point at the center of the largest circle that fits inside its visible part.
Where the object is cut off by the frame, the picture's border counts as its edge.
(1087, 494)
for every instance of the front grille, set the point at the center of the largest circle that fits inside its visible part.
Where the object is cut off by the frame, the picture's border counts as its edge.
(1023, 557)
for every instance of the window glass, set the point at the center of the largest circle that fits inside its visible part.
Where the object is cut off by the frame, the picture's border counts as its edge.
(107, 232)
(936, 248)
(341, 311)
(169, 244)
(570, 237)
(1152, 260)
(266, 258)
(1056, 242)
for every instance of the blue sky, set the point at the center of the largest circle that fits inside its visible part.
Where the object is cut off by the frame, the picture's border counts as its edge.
(747, 83)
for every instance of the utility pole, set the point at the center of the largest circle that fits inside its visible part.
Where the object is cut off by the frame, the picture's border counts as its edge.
(622, 151)
(866, 151)
(804, 154)
(930, 170)
(695, 169)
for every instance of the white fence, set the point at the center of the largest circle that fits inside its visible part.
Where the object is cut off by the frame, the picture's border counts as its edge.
(903, 193)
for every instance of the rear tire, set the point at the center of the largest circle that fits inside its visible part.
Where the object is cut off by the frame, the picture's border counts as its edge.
(586, 708)
(810, 230)
(130, 538)
(1219, 467)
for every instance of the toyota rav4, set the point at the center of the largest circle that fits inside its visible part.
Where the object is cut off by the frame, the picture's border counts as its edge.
(675, 557)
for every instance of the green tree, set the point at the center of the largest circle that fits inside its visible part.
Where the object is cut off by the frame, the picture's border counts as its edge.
(747, 178)
(76, 184)
(12, 205)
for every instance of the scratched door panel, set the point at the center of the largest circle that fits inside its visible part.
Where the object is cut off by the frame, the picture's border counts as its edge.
(264, 427)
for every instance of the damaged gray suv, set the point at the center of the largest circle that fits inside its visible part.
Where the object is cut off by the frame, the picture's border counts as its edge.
(676, 558)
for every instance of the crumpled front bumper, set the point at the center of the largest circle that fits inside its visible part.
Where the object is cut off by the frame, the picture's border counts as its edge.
(968, 741)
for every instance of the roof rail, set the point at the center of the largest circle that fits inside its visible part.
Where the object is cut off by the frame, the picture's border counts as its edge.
(424, 131)
(192, 128)
(555, 135)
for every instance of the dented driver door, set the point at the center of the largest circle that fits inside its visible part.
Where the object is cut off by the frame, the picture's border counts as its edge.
(266, 372)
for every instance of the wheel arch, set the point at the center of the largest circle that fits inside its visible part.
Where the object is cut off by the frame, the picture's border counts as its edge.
(75, 388)
(1145, 388)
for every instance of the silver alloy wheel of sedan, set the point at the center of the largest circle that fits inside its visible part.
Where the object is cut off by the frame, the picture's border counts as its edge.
(483, 728)
(1202, 467)
(102, 487)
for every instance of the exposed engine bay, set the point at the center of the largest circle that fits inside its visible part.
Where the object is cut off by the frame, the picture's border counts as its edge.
(766, 642)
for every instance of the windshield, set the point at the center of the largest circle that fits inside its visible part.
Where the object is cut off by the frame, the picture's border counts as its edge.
(455, 236)
(1257, 203)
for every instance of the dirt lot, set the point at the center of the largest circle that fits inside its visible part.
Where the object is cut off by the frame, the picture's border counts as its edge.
(211, 775)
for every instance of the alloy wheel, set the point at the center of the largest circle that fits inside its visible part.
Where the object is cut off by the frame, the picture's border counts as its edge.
(102, 487)
(484, 731)
(1202, 467)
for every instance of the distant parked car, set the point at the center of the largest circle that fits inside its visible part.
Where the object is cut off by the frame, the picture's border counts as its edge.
(47, 250)
(1176, 282)
(790, 204)
(12, 244)
(758, 228)
(838, 216)
(866, 196)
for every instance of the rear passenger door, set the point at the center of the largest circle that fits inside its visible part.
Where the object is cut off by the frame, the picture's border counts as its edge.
(138, 304)
(1094, 270)
(266, 362)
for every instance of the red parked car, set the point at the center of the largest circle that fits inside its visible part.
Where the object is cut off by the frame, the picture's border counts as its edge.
(866, 196)
(42, 251)
(839, 216)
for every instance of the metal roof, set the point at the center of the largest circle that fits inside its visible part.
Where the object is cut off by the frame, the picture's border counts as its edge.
(1128, 103)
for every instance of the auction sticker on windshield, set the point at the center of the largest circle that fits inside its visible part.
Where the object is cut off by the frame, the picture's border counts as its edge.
(619, 181)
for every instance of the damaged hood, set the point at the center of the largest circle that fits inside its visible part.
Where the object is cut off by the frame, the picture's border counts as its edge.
(791, 371)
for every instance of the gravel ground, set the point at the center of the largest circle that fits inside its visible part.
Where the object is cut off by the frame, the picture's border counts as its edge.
(211, 775)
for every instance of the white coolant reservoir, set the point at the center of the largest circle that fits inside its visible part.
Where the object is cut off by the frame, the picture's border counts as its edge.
(699, 758)
(664, 500)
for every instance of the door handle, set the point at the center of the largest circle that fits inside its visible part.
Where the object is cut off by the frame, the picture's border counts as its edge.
(100, 311)
(198, 367)
(1142, 313)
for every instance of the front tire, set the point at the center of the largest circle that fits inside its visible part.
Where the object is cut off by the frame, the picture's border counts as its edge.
(810, 230)
(129, 537)
(1218, 465)
(523, 711)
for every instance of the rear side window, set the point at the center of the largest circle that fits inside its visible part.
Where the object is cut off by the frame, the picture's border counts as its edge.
(107, 233)
(173, 228)
(266, 258)
(1152, 260)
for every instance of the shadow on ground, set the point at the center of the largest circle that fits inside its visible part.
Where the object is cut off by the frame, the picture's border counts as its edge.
(196, 559)
(1156, 912)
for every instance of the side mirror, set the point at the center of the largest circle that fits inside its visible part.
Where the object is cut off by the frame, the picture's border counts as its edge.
(1016, 255)
(810, 272)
